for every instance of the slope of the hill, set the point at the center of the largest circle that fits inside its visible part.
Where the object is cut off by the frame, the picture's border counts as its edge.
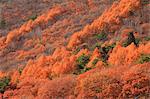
(76, 49)
(48, 31)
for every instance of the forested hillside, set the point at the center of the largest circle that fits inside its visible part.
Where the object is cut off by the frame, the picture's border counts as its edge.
(74, 49)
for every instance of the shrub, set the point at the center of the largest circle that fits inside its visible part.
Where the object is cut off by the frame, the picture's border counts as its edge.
(95, 61)
(104, 52)
(131, 39)
(145, 2)
(147, 38)
(4, 82)
(76, 51)
(101, 36)
(110, 47)
(98, 45)
(20, 70)
(144, 58)
(33, 17)
(83, 70)
(137, 40)
(126, 43)
(82, 61)
(81, 64)
(2, 23)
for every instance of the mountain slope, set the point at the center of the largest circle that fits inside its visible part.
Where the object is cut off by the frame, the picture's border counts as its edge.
(78, 50)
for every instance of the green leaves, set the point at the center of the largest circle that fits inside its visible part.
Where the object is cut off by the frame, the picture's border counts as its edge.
(110, 47)
(76, 51)
(96, 45)
(144, 58)
(147, 38)
(33, 17)
(145, 2)
(82, 61)
(95, 61)
(81, 64)
(4, 82)
(137, 40)
(101, 36)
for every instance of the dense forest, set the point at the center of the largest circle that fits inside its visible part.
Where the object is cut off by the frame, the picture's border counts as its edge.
(74, 49)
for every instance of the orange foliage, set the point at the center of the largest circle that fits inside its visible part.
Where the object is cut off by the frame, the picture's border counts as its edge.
(108, 83)
(43, 89)
(127, 55)
(136, 81)
(110, 16)
(96, 54)
(28, 26)
(52, 75)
